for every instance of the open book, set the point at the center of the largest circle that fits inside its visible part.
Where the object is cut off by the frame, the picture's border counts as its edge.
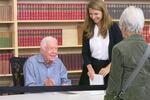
(98, 80)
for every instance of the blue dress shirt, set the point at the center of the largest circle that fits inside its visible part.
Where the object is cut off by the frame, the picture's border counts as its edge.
(36, 71)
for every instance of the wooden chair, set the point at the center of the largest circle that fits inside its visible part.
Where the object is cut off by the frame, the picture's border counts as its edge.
(17, 70)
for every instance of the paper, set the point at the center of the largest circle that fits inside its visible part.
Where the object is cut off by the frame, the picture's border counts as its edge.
(98, 80)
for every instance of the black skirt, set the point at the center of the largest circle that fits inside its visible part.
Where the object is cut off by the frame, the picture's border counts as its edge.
(97, 66)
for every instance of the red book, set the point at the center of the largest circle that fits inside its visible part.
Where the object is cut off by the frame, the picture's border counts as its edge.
(1, 64)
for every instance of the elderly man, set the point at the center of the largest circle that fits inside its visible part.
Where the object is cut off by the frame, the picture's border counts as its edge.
(125, 57)
(45, 68)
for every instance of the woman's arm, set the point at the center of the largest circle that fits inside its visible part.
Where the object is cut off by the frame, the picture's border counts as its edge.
(86, 53)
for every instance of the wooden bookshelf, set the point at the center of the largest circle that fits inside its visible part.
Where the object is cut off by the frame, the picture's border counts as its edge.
(6, 49)
(11, 21)
(75, 71)
(50, 21)
(7, 27)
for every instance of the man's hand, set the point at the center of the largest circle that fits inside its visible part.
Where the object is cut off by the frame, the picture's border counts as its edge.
(49, 82)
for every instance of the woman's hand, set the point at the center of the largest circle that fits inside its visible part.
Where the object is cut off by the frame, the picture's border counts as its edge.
(104, 71)
(91, 71)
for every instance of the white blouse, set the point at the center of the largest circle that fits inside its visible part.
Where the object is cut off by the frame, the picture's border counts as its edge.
(99, 45)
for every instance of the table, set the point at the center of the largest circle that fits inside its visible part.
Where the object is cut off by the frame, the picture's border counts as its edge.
(69, 95)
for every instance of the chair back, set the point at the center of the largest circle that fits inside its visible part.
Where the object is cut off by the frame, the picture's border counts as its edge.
(17, 70)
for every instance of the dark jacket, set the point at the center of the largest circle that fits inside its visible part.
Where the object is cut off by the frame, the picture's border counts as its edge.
(115, 36)
(125, 57)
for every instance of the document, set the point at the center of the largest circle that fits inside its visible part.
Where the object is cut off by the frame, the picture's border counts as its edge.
(98, 80)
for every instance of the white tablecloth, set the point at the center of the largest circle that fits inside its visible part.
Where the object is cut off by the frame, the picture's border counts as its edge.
(70, 95)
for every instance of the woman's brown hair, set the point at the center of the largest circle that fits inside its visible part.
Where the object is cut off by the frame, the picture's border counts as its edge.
(105, 22)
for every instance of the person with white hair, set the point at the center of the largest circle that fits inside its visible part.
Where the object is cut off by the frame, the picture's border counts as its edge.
(125, 57)
(45, 68)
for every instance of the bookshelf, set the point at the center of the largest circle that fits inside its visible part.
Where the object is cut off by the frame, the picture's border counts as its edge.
(27, 21)
(7, 31)
(22, 22)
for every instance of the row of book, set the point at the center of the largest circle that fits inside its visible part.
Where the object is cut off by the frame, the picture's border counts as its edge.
(44, 11)
(5, 13)
(74, 11)
(27, 11)
(32, 37)
(146, 33)
(4, 63)
(74, 78)
(116, 9)
(5, 39)
(71, 61)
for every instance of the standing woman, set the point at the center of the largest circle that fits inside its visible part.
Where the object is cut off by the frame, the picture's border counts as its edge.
(99, 36)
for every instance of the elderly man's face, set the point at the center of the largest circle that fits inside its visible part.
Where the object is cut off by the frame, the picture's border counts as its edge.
(50, 53)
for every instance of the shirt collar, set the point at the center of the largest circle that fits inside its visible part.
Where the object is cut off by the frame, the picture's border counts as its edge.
(41, 59)
(136, 37)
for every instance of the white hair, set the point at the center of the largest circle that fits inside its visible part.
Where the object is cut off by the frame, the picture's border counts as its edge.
(45, 41)
(133, 19)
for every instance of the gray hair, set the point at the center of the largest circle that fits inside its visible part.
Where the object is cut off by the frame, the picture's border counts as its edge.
(133, 19)
(46, 40)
